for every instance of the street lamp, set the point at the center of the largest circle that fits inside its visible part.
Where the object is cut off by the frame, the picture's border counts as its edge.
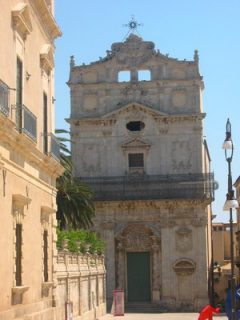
(230, 203)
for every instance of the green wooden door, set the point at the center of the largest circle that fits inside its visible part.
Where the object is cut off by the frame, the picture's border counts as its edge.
(138, 276)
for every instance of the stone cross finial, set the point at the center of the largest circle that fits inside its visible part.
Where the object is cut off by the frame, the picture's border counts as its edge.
(132, 25)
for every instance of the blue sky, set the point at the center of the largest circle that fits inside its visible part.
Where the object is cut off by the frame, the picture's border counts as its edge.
(178, 28)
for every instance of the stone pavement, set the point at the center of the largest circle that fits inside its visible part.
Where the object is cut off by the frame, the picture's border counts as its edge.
(159, 316)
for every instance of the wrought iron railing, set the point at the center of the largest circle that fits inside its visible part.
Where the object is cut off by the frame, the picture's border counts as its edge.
(146, 187)
(51, 145)
(55, 147)
(26, 122)
(4, 98)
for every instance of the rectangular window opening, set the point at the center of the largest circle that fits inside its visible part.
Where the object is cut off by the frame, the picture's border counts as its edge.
(18, 260)
(135, 160)
(124, 76)
(45, 124)
(144, 75)
(45, 256)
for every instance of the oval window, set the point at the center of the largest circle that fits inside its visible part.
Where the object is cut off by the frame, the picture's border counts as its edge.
(135, 125)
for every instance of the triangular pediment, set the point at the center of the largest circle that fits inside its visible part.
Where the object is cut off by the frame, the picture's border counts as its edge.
(21, 19)
(134, 143)
(135, 108)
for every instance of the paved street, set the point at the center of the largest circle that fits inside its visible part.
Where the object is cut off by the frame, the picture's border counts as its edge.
(159, 316)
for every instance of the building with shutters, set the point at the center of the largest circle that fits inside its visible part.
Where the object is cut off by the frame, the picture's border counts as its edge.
(29, 159)
(137, 130)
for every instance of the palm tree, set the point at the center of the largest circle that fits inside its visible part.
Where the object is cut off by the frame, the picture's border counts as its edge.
(75, 207)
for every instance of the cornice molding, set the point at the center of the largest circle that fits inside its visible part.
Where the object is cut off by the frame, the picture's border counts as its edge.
(22, 144)
(46, 58)
(47, 19)
(157, 204)
(89, 121)
(173, 118)
(20, 200)
(21, 19)
(163, 83)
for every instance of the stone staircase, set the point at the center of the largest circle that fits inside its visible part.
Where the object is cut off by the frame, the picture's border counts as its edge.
(143, 307)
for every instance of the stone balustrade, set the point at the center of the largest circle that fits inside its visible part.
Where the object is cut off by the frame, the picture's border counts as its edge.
(80, 280)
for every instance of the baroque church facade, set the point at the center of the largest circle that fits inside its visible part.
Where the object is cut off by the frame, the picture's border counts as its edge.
(137, 130)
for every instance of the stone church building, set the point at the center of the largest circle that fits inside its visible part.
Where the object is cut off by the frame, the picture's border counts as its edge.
(137, 129)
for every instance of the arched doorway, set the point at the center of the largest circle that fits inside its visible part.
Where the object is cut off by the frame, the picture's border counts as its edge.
(138, 263)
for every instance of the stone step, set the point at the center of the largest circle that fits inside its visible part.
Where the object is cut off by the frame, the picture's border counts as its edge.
(144, 308)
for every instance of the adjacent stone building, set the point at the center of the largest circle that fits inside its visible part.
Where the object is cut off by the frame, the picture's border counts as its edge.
(222, 259)
(137, 130)
(29, 160)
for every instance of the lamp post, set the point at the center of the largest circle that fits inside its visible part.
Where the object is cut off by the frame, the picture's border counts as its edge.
(230, 203)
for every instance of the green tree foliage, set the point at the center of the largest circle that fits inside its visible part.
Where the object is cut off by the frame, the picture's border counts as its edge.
(75, 207)
(80, 241)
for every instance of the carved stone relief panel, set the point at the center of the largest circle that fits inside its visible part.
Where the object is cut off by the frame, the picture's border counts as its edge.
(89, 77)
(136, 237)
(179, 98)
(178, 74)
(133, 51)
(91, 158)
(90, 102)
(181, 155)
(184, 267)
(183, 239)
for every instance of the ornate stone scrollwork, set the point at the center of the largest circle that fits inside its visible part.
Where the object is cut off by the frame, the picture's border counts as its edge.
(137, 237)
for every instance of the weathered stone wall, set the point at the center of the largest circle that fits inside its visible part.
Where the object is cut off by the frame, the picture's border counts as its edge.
(81, 280)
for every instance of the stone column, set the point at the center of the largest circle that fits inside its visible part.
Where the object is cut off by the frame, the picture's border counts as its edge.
(107, 233)
(155, 269)
(120, 266)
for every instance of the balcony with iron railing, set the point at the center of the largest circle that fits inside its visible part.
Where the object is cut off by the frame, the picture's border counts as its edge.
(4, 98)
(153, 187)
(26, 122)
(51, 145)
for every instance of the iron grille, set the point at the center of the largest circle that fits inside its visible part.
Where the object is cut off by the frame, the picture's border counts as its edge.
(4, 98)
(26, 122)
(154, 187)
(55, 147)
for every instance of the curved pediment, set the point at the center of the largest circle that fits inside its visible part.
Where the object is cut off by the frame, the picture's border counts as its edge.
(184, 266)
(135, 108)
(135, 51)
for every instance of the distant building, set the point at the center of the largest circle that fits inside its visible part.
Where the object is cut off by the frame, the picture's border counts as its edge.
(221, 259)
(137, 130)
(29, 159)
